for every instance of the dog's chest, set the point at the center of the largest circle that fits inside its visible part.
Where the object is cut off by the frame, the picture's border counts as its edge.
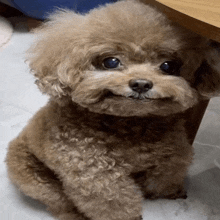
(134, 145)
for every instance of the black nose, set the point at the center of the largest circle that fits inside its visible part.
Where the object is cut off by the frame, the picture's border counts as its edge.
(140, 85)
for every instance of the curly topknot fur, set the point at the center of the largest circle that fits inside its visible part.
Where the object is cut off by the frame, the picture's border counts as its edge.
(100, 145)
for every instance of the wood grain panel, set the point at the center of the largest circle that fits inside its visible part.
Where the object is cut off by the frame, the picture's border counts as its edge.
(207, 11)
(192, 11)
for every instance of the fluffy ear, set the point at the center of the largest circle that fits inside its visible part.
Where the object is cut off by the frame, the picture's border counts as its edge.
(208, 74)
(54, 56)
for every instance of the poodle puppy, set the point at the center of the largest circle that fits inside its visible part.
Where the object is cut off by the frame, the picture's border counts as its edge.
(120, 79)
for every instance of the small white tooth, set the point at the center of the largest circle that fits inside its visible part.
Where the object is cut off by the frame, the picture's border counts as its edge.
(104, 106)
(141, 96)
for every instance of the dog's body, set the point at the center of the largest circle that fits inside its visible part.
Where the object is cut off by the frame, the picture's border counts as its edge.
(113, 131)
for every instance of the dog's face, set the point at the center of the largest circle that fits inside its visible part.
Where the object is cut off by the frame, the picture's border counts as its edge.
(124, 59)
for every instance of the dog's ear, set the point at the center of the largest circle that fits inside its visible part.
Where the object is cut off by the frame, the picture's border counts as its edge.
(53, 56)
(208, 74)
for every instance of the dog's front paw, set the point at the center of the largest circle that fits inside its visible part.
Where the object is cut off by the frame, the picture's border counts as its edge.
(180, 194)
(71, 216)
(139, 218)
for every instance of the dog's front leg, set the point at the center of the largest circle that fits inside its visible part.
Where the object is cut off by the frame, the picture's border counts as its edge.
(107, 195)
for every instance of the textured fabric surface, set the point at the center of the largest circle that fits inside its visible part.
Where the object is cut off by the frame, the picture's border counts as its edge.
(40, 8)
(6, 31)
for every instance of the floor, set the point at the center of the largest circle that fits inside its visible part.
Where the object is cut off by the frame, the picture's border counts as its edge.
(20, 99)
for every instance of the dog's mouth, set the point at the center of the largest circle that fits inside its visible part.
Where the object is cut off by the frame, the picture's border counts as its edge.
(133, 97)
(127, 106)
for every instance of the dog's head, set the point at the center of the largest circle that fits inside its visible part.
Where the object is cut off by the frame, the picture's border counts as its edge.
(124, 59)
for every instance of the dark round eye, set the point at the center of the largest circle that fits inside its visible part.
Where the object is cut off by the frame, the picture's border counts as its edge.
(111, 63)
(171, 67)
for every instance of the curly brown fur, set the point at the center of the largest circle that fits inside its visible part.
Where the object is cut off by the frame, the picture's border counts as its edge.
(99, 146)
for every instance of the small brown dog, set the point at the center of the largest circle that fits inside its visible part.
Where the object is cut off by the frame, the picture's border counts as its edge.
(119, 77)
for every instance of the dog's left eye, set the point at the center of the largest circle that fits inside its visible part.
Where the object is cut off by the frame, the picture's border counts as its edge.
(171, 67)
(111, 63)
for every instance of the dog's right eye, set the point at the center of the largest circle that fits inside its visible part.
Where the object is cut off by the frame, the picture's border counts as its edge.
(111, 63)
(171, 67)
